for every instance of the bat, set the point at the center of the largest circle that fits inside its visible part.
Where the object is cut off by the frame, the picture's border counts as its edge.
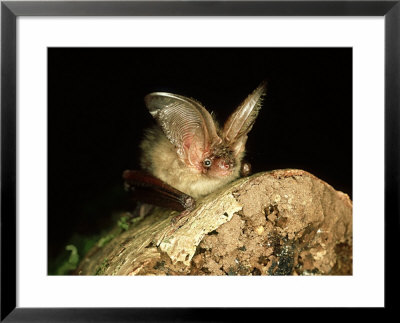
(187, 155)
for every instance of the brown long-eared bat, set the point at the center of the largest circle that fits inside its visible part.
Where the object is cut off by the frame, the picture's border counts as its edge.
(187, 154)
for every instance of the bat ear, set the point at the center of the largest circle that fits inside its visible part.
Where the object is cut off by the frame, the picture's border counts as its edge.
(186, 123)
(242, 119)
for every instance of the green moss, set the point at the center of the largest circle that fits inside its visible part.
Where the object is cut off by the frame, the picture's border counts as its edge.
(137, 219)
(102, 268)
(104, 240)
(123, 223)
(57, 265)
(71, 263)
(60, 265)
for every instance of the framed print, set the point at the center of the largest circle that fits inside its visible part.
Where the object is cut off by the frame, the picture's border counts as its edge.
(304, 92)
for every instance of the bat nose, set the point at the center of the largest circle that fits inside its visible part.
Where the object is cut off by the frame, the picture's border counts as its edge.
(224, 165)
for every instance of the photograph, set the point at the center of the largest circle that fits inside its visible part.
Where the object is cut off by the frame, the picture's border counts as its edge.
(220, 161)
(212, 150)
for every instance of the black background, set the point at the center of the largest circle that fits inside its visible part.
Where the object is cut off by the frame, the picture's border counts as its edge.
(96, 117)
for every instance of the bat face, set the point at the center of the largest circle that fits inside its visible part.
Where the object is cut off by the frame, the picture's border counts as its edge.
(188, 150)
(220, 162)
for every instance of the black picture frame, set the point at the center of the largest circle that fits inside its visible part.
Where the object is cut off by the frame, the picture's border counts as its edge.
(10, 10)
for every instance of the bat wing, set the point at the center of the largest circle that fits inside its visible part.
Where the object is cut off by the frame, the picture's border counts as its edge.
(149, 189)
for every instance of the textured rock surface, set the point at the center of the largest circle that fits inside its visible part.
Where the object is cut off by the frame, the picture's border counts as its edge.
(284, 222)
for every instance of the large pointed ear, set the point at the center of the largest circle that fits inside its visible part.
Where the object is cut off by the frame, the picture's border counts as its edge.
(186, 123)
(241, 121)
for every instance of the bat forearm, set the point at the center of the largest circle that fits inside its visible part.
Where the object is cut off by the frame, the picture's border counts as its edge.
(149, 189)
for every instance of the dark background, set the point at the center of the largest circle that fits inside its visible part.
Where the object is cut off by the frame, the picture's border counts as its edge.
(96, 117)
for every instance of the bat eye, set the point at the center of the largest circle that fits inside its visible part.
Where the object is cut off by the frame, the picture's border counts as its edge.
(207, 162)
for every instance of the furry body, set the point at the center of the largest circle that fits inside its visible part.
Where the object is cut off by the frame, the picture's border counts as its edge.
(160, 159)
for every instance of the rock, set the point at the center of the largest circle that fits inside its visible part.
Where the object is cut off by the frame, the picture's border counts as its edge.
(283, 222)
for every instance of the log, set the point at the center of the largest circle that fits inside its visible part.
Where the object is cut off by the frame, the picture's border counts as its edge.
(282, 222)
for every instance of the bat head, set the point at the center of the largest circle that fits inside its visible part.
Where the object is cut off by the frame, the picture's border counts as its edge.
(199, 143)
